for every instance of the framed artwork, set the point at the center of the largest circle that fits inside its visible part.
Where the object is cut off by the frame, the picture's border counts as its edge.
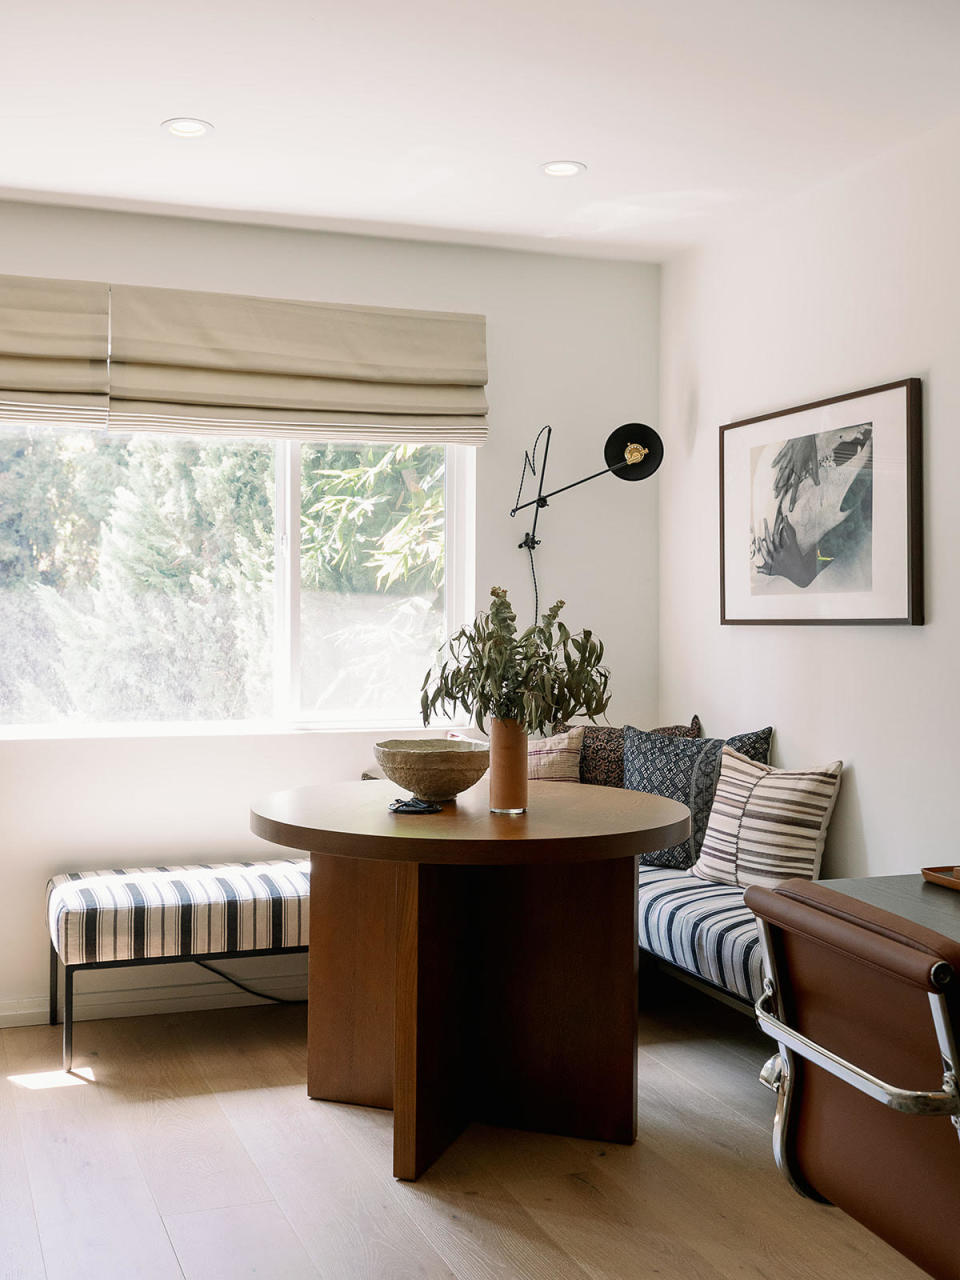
(821, 516)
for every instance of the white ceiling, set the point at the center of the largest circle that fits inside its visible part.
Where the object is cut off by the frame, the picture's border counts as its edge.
(429, 118)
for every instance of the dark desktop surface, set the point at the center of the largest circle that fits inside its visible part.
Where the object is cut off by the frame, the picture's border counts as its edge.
(912, 897)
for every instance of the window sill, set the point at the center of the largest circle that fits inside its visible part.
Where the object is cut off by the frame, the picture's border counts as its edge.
(216, 729)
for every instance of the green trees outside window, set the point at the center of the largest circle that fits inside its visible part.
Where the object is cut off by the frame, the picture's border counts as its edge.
(137, 576)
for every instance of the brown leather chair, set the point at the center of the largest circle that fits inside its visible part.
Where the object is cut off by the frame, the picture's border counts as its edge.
(865, 1007)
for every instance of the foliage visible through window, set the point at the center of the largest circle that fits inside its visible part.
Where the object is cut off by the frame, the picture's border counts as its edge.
(137, 577)
(371, 577)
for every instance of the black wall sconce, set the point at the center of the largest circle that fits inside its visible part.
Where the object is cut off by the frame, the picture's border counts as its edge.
(632, 452)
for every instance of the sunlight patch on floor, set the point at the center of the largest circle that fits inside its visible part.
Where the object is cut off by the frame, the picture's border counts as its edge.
(53, 1079)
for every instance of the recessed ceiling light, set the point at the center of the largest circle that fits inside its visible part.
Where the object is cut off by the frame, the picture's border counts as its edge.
(563, 168)
(187, 127)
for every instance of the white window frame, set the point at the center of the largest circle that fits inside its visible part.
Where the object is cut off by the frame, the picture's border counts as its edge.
(460, 488)
(286, 582)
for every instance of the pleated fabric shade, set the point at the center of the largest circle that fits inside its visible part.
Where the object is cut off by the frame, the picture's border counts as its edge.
(53, 350)
(145, 359)
(210, 362)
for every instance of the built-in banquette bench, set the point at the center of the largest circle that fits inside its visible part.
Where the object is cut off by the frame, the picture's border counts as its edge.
(751, 824)
(169, 915)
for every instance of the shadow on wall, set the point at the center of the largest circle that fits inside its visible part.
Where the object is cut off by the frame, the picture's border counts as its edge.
(690, 411)
(845, 854)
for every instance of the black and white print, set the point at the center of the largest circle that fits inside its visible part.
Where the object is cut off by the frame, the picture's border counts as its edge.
(812, 513)
(821, 511)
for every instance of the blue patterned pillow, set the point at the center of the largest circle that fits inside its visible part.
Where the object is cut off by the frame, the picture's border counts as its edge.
(684, 769)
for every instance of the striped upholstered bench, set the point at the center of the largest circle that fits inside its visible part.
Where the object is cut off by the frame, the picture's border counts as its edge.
(702, 929)
(168, 915)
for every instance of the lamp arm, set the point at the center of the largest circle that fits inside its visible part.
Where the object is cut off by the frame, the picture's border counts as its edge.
(541, 499)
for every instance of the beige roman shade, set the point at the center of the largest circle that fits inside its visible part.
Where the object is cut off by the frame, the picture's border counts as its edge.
(144, 359)
(53, 350)
(212, 362)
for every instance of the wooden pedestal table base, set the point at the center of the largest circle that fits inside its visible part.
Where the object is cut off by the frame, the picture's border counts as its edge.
(473, 966)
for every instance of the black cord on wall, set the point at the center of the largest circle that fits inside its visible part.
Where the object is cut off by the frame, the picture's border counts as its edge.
(261, 995)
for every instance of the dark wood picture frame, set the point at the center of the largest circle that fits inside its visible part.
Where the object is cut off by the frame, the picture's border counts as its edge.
(914, 615)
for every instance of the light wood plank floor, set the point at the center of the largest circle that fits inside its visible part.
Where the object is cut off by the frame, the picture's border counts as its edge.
(195, 1153)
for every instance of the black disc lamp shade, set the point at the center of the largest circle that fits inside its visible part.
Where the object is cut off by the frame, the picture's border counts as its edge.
(638, 446)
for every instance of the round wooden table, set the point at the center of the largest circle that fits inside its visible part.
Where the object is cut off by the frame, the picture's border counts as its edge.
(474, 966)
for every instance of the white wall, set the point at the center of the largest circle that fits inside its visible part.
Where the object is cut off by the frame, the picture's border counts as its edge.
(854, 285)
(573, 342)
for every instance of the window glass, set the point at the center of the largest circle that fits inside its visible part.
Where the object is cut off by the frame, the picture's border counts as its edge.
(372, 566)
(135, 577)
(166, 578)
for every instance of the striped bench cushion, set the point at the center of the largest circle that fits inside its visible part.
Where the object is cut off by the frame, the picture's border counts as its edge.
(141, 913)
(701, 927)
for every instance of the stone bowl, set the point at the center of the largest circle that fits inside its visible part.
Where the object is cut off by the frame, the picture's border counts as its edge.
(433, 768)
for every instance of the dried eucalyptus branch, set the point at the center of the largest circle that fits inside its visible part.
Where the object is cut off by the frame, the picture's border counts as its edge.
(542, 677)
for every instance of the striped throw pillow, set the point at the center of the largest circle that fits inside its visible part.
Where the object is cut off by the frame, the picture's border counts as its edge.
(767, 824)
(555, 759)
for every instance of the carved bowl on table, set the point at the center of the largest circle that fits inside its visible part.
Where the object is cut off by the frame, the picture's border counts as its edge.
(433, 768)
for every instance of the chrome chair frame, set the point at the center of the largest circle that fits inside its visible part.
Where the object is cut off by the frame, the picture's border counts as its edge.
(779, 1073)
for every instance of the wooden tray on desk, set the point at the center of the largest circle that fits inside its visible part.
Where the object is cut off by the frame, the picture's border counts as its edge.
(941, 875)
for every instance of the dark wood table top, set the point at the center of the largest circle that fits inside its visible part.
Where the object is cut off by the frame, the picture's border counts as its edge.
(910, 896)
(565, 822)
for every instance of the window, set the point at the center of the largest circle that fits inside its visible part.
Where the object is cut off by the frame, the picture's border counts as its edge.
(174, 578)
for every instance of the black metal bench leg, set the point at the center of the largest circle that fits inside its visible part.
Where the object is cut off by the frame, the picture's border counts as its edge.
(54, 970)
(68, 1017)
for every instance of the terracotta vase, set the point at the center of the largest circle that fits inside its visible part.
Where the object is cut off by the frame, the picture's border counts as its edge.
(508, 767)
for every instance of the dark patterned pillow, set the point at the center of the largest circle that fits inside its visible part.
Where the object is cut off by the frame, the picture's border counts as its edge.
(687, 770)
(601, 757)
